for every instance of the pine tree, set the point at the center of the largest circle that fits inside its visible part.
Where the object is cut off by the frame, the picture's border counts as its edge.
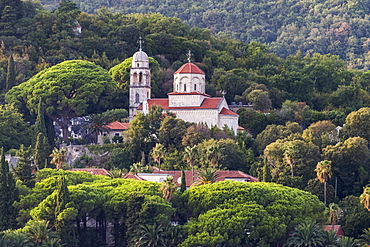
(23, 171)
(8, 195)
(10, 74)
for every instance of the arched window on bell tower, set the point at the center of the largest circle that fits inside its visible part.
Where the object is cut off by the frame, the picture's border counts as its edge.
(137, 98)
(195, 87)
(135, 77)
(141, 77)
(184, 87)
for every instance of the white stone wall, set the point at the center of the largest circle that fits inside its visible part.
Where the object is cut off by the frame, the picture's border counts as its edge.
(207, 116)
(190, 80)
(230, 120)
(185, 100)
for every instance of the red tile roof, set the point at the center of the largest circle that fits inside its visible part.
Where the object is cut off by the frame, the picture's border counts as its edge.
(189, 68)
(337, 228)
(225, 111)
(222, 176)
(118, 126)
(93, 171)
(240, 128)
(208, 103)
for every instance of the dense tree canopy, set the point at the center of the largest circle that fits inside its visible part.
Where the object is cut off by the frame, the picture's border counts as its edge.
(69, 89)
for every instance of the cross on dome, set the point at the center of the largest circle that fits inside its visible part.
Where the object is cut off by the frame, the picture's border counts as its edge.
(189, 54)
(140, 43)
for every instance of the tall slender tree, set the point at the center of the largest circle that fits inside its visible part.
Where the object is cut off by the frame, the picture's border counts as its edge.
(190, 156)
(61, 225)
(23, 170)
(158, 153)
(290, 153)
(323, 170)
(8, 195)
(10, 74)
(41, 151)
(40, 119)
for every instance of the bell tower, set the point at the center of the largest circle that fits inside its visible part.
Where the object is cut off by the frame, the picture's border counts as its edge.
(140, 89)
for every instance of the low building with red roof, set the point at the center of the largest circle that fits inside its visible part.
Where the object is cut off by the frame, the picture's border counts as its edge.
(336, 228)
(113, 129)
(159, 176)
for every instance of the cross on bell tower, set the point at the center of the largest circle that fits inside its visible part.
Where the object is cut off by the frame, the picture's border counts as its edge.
(140, 43)
(189, 54)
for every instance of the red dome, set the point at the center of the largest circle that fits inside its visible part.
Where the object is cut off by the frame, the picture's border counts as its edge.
(189, 68)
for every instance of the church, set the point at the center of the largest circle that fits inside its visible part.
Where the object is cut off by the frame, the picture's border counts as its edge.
(188, 101)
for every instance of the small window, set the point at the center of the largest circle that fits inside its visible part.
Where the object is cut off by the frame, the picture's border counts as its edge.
(140, 77)
(184, 87)
(195, 87)
(137, 98)
(138, 65)
(116, 134)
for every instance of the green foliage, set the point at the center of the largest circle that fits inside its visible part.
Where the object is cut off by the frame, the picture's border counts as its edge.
(13, 129)
(66, 90)
(23, 170)
(281, 207)
(308, 233)
(355, 217)
(347, 159)
(8, 195)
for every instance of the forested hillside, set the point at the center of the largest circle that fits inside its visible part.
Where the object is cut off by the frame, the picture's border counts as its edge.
(337, 27)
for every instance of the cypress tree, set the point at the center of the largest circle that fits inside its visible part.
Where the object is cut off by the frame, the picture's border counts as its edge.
(40, 120)
(41, 153)
(10, 74)
(8, 195)
(62, 227)
(23, 171)
(183, 181)
(266, 173)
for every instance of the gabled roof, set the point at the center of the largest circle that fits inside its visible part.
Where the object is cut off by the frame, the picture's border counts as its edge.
(225, 111)
(93, 171)
(189, 68)
(118, 126)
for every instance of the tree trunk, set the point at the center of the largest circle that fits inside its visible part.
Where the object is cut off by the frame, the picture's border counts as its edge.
(325, 193)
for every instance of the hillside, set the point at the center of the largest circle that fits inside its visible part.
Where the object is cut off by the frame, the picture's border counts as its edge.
(337, 27)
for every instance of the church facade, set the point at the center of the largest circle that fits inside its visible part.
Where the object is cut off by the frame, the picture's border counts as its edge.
(188, 101)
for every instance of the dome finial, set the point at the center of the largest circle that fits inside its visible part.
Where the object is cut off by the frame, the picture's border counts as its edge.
(189, 56)
(140, 43)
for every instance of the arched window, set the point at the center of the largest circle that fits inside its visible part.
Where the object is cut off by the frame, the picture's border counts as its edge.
(138, 65)
(137, 98)
(184, 87)
(195, 87)
(141, 77)
(177, 87)
(135, 77)
(147, 95)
